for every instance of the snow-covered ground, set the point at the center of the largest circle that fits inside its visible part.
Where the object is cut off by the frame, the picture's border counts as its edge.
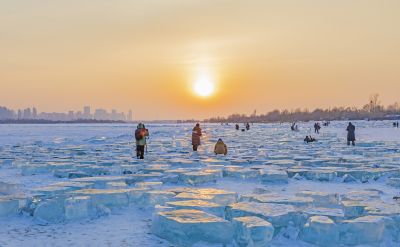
(79, 185)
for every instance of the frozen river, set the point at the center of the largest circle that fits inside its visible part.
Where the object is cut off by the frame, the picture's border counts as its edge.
(79, 185)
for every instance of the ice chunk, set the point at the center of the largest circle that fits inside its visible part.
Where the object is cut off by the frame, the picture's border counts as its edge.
(69, 173)
(186, 227)
(395, 182)
(364, 195)
(109, 198)
(151, 185)
(321, 231)
(156, 168)
(392, 216)
(196, 178)
(33, 169)
(298, 177)
(155, 197)
(73, 185)
(135, 194)
(51, 211)
(171, 178)
(52, 190)
(240, 172)
(347, 178)
(323, 199)
(353, 209)
(297, 201)
(252, 231)
(364, 230)
(8, 206)
(100, 182)
(221, 197)
(77, 207)
(201, 205)
(273, 176)
(278, 214)
(8, 188)
(321, 175)
(134, 178)
(116, 185)
(336, 214)
(160, 208)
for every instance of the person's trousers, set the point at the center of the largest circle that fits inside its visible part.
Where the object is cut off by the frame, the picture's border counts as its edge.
(195, 147)
(352, 143)
(140, 151)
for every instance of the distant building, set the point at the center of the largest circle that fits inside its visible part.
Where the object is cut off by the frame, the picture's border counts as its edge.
(130, 117)
(6, 113)
(114, 114)
(86, 112)
(71, 116)
(34, 113)
(79, 115)
(101, 114)
(27, 114)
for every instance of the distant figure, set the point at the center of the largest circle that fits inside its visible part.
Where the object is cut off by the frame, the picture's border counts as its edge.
(317, 127)
(247, 126)
(237, 126)
(293, 127)
(351, 136)
(196, 133)
(394, 124)
(140, 135)
(309, 139)
(220, 148)
(397, 124)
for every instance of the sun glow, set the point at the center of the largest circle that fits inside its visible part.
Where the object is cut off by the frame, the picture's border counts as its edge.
(204, 86)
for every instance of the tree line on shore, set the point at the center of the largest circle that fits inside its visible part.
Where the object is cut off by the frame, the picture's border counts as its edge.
(373, 110)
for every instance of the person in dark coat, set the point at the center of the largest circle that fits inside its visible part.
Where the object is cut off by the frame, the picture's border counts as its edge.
(237, 126)
(317, 127)
(351, 136)
(141, 135)
(196, 133)
(309, 139)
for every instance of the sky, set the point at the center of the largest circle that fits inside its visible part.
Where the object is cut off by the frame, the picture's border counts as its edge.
(60, 55)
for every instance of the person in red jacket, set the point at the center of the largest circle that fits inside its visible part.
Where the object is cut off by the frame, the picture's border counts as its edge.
(196, 133)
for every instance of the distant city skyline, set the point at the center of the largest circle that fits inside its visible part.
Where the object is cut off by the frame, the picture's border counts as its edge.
(32, 113)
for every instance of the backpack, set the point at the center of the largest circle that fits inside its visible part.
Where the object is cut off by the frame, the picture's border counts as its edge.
(139, 134)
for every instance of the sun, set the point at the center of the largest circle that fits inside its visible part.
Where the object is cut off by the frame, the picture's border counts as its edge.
(204, 86)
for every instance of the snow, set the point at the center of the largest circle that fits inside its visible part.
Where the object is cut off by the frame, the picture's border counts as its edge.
(79, 185)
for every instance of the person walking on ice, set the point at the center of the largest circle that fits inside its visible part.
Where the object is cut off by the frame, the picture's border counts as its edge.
(351, 136)
(317, 127)
(220, 148)
(141, 134)
(196, 134)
